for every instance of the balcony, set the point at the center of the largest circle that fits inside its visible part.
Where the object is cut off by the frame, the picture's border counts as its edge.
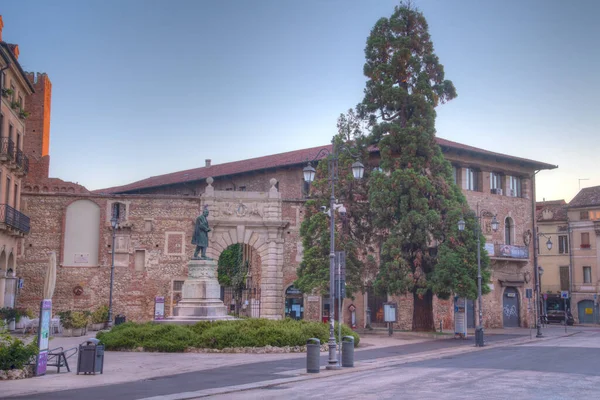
(15, 222)
(7, 149)
(15, 158)
(508, 252)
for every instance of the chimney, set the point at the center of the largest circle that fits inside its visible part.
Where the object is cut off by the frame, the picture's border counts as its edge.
(1, 26)
(207, 161)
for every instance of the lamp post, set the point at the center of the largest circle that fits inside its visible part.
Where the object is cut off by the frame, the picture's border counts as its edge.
(309, 175)
(461, 227)
(538, 276)
(113, 222)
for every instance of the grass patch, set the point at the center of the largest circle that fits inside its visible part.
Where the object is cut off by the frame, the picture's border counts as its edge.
(217, 335)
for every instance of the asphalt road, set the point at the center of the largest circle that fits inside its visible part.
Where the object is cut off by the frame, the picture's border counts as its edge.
(562, 368)
(237, 375)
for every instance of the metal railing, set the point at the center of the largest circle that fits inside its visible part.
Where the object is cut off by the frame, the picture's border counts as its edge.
(7, 148)
(511, 251)
(22, 161)
(14, 218)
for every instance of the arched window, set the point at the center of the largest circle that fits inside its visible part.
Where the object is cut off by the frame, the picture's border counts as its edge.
(508, 231)
(82, 234)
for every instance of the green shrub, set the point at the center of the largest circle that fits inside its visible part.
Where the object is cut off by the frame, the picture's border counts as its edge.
(14, 354)
(100, 315)
(217, 335)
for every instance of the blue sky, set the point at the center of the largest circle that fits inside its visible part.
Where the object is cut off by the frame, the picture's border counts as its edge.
(145, 87)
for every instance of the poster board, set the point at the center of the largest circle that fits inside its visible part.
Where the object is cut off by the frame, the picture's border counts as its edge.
(43, 336)
(460, 317)
(159, 307)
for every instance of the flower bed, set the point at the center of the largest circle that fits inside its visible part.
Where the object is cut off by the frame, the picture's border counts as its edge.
(254, 335)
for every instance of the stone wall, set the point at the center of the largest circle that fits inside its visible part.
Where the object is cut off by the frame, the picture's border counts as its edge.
(153, 225)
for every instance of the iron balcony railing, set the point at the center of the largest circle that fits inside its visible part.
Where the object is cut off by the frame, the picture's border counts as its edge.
(510, 251)
(22, 161)
(7, 148)
(14, 218)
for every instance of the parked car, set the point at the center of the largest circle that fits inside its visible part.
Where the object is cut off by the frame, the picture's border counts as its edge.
(558, 316)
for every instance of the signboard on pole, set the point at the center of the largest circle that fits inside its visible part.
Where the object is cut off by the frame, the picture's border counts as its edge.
(43, 336)
(159, 307)
(545, 296)
(389, 312)
(460, 317)
(564, 294)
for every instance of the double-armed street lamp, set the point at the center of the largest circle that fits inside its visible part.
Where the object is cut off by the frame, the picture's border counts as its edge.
(309, 171)
(461, 227)
(114, 221)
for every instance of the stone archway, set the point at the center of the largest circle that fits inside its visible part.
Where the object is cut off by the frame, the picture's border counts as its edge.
(255, 219)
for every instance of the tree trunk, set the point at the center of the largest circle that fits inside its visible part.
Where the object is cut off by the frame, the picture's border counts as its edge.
(423, 312)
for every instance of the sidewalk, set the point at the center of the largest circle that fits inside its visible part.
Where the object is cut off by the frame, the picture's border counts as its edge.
(130, 367)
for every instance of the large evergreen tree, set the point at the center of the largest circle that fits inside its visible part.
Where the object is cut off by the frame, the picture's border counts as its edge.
(413, 199)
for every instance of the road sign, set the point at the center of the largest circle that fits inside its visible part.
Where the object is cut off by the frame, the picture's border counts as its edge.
(564, 294)
(595, 296)
(545, 295)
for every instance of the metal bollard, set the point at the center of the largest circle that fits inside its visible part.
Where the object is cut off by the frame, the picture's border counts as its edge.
(313, 355)
(348, 351)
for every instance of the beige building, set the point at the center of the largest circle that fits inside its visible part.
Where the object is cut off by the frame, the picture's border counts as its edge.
(14, 165)
(555, 263)
(584, 224)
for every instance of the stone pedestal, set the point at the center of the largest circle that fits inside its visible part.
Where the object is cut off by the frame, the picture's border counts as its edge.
(201, 295)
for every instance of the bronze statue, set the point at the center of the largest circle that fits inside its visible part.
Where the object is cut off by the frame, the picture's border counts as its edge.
(200, 237)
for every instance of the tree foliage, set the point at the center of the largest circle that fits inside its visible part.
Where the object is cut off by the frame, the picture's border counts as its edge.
(232, 270)
(413, 200)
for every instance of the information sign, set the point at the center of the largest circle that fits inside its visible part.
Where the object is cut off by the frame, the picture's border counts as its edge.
(43, 336)
(159, 307)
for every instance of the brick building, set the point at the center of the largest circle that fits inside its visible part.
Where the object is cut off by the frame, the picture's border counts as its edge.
(584, 231)
(15, 90)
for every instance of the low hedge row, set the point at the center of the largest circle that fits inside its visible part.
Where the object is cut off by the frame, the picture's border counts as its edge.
(217, 335)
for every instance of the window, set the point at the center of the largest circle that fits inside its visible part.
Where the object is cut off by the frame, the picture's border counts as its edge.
(514, 186)
(585, 240)
(229, 189)
(19, 141)
(119, 211)
(21, 101)
(176, 293)
(584, 215)
(564, 278)
(495, 181)
(508, 227)
(472, 179)
(455, 172)
(242, 189)
(140, 260)
(7, 194)
(16, 197)
(587, 274)
(594, 215)
(563, 244)
(1, 125)
(14, 91)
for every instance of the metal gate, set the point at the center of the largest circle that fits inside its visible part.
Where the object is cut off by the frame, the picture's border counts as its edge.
(585, 308)
(510, 308)
(375, 304)
(244, 302)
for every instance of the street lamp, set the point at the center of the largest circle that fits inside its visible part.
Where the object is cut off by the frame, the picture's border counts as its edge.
(538, 276)
(309, 171)
(114, 221)
(461, 227)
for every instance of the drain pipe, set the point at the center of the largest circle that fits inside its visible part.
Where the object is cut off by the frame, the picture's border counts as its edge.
(535, 260)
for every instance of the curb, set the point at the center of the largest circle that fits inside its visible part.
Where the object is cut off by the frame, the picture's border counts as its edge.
(361, 367)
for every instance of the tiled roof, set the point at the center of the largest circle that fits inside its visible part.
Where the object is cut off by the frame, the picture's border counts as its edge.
(297, 157)
(587, 197)
(10, 53)
(554, 210)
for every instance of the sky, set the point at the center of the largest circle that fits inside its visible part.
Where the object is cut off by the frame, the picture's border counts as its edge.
(146, 87)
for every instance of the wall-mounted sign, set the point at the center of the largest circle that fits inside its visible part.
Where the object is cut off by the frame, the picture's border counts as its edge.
(81, 258)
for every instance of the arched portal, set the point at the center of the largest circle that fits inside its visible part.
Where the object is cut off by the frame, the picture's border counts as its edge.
(239, 274)
(253, 219)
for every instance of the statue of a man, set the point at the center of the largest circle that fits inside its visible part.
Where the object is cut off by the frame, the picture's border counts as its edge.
(200, 237)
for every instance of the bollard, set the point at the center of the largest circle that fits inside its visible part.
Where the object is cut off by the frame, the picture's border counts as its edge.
(313, 355)
(348, 351)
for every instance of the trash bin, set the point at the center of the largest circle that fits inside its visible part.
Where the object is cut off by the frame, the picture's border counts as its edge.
(120, 319)
(313, 355)
(479, 342)
(91, 357)
(348, 351)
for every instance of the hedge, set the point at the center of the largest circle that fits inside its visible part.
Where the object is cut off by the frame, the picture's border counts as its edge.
(217, 335)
